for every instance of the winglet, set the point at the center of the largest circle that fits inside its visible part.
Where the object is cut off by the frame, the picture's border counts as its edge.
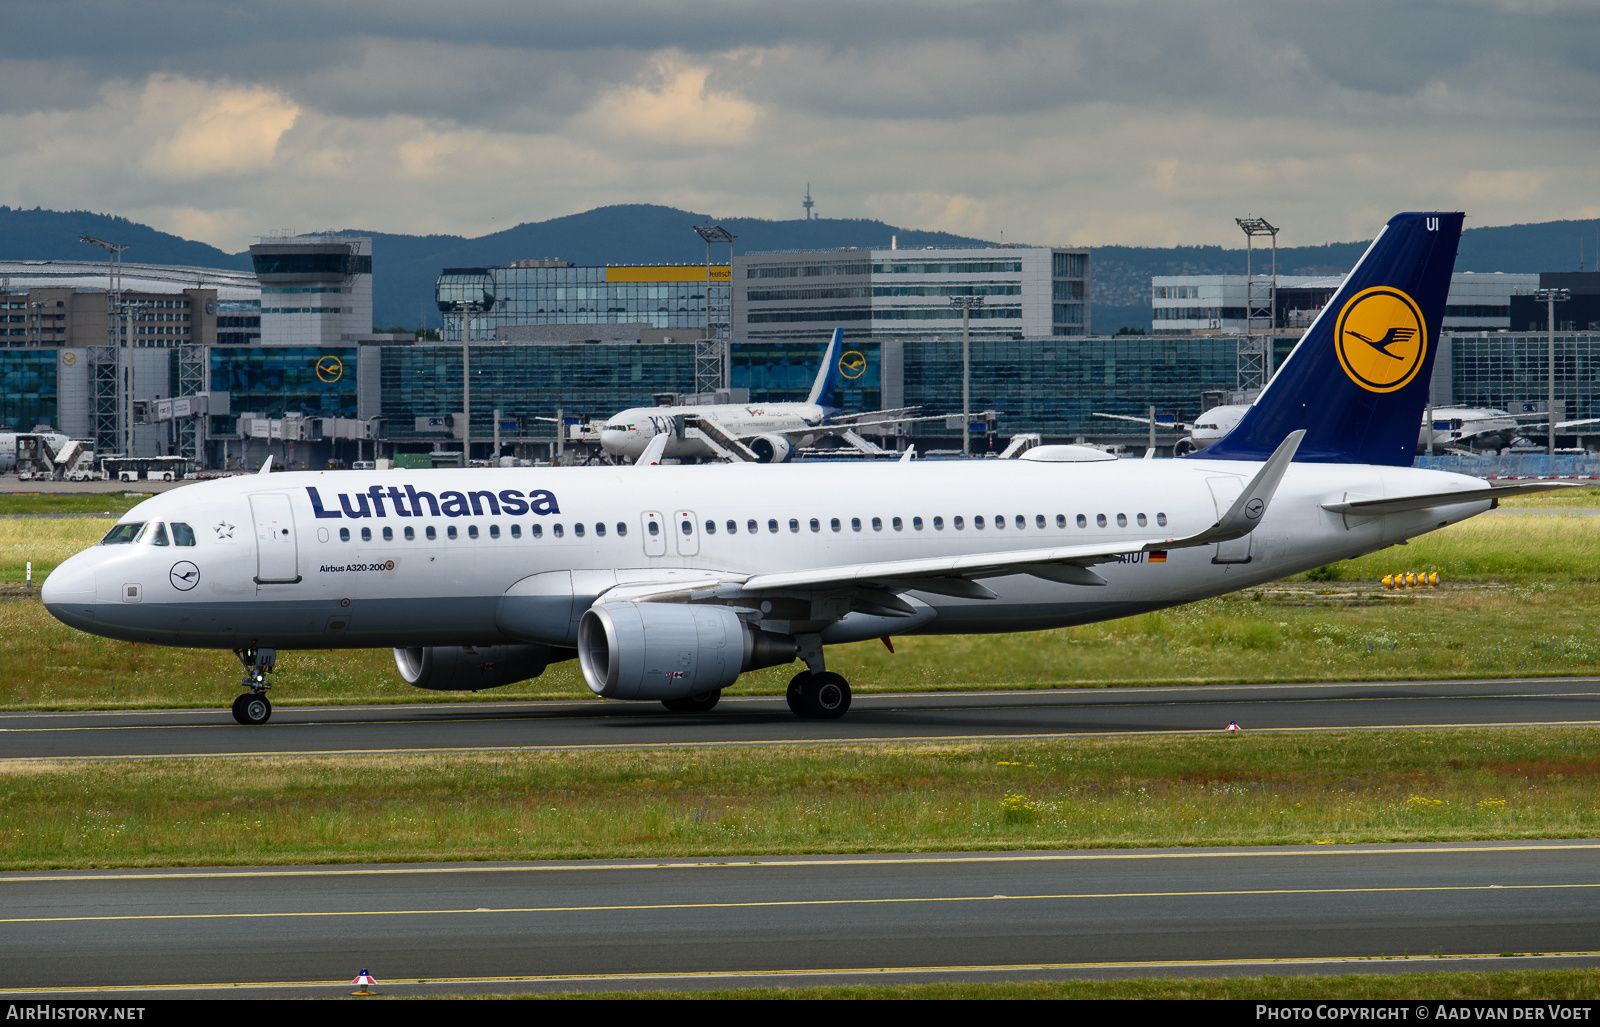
(909, 455)
(827, 375)
(652, 452)
(1246, 511)
(266, 465)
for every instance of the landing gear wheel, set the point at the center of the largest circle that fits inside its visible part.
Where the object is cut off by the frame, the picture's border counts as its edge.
(824, 696)
(252, 708)
(702, 703)
(797, 686)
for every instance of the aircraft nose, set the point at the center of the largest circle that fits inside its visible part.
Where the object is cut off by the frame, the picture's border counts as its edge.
(69, 591)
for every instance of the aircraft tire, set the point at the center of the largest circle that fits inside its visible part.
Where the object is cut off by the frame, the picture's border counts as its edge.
(825, 696)
(703, 703)
(251, 708)
(797, 686)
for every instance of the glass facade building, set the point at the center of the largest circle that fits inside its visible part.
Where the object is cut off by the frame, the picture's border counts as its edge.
(1026, 292)
(28, 388)
(319, 381)
(1504, 370)
(536, 292)
(1053, 386)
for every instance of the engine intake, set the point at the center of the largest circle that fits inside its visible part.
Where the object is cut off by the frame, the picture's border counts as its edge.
(770, 449)
(671, 650)
(454, 668)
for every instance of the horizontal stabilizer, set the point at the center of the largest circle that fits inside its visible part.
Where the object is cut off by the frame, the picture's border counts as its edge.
(1400, 504)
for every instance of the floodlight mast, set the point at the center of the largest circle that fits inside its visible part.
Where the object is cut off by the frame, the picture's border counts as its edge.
(1255, 354)
(966, 304)
(124, 365)
(1551, 297)
(711, 352)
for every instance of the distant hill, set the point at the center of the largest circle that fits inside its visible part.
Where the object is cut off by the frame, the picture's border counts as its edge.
(404, 266)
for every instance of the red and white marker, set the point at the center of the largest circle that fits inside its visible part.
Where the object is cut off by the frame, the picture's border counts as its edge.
(1233, 725)
(365, 980)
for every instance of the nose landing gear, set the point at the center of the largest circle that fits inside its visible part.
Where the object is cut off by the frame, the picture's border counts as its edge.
(254, 707)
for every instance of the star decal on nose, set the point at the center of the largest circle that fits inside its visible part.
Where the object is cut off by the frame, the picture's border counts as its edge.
(223, 529)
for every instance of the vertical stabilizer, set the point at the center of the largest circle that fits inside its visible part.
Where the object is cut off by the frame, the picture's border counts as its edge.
(828, 375)
(1358, 381)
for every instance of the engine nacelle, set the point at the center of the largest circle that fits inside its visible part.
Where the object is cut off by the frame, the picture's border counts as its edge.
(770, 449)
(454, 668)
(671, 650)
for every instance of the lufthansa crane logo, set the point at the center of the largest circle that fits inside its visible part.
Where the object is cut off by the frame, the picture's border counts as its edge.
(330, 369)
(1381, 339)
(852, 365)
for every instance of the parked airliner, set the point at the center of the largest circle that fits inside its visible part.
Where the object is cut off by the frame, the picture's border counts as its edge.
(768, 433)
(666, 583)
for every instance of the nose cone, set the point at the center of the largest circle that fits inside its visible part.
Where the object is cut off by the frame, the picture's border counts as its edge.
(69, 592)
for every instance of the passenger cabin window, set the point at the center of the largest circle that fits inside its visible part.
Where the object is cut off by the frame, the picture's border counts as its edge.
(622, 528)
(537, 530)
(877, 524)
(794, 526)
(558, 531)
(344, 534)
(429, 531)
(1122, 520)
(855, 524)
(816, 525)
(449, 532)
(751, 526)
(182, 534)
(655, 529)
(733, 527)
(1083, 522)
(366, 534)
(1143, 520)
(516, 531)
(411, 533)
(1100, 520)
(600, 528)
(1161, 519)
(834, 524)
(494, 531)
(122, 534)
(916, 523)
(772, 525)
(1061, 520)
(472, 531)
(898, 524)
(1022, 522)
(938, 524)
(577, 529)
(977, 522)
(958, 523)
(388, 534)
(711, 527)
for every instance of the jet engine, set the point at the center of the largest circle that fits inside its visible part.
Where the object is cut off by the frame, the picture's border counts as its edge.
(770, 449)
(456, 668)
(671, 650)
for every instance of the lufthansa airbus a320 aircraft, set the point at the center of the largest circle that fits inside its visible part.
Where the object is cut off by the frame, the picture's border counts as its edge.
(666, 583)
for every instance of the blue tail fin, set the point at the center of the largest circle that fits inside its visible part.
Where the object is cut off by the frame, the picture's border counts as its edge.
(828, 375)
(1358, 380)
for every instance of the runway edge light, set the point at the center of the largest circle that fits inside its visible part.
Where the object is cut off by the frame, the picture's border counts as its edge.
(365, 980)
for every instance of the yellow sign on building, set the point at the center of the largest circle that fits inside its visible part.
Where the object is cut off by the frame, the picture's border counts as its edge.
(668, 273)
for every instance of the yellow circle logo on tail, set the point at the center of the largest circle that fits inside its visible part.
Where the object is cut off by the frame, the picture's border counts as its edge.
(1381, 339)
(852, 365)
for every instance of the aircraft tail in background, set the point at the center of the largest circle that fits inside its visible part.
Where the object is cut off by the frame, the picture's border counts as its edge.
(822, 389)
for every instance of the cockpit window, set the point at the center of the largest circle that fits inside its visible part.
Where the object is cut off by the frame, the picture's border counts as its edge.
(182, 534)
(154, 534)
(122, 534)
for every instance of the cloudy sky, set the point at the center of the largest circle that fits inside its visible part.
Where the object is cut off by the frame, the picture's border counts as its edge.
(1051, 122)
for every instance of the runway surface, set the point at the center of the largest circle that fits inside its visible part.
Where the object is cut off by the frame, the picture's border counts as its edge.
(766, 720)
(806, 920)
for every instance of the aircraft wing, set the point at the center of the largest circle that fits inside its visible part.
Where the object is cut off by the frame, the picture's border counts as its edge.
(1398, 504)
(1163, 425)
(836, 426)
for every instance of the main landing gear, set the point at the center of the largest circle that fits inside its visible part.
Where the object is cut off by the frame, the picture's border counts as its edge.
(824, 696)
(254, 707)
(817, 693)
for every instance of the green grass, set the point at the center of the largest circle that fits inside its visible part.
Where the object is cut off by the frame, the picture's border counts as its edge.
(1267, 789)
(1525, 985)
(84, 504)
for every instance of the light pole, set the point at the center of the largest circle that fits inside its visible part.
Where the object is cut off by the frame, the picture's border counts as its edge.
(966, 303)
(1551, 297)
(467, 309)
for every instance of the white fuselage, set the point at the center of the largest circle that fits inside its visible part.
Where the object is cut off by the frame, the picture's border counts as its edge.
(1477, 427)
(356, 568)
(628, 434)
